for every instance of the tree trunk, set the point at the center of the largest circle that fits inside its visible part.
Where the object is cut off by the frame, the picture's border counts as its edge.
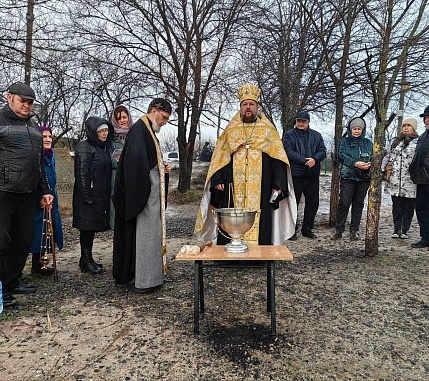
(381, 104)
(335, 180)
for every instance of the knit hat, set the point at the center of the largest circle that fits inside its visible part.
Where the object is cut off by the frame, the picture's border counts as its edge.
(357, 122)
(102, 127)
(44, 128)
(411, 121)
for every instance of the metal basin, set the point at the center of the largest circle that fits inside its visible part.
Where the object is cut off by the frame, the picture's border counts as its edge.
(235, 221)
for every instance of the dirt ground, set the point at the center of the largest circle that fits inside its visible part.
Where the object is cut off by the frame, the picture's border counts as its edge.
(340, 315)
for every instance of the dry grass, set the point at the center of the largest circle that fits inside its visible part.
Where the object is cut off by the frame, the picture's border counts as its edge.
(190, 196)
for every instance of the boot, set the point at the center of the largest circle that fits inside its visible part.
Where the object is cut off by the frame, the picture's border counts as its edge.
(86, 263)
(100, 265)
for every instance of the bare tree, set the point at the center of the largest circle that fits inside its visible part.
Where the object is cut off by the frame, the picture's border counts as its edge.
(334, 28)
(286, 60)
(175, 47)
(400, 30)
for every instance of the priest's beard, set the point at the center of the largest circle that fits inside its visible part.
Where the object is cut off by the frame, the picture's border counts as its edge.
(156, 127)
(249, 119)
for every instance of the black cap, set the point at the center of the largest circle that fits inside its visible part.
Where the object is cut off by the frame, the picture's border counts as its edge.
(23, 90)
(161, 104)
(303, 115)
(425, 113)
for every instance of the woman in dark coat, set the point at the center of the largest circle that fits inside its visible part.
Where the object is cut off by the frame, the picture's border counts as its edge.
(91, 193)
(38, 247)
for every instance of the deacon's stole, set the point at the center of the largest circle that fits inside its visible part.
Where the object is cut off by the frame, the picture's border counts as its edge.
(162, 195)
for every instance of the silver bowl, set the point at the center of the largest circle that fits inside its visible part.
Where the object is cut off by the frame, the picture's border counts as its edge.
(235, 222)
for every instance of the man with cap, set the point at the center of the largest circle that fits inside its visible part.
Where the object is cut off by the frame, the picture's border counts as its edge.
(140, 195)
(354, 154)
(419, 171)
(306, 150)
(22, 178)
(249, 169)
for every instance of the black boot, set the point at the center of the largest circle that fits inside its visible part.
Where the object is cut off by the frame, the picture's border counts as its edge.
(37, 268)
(88, 238)
(100, 265)
(86, 263)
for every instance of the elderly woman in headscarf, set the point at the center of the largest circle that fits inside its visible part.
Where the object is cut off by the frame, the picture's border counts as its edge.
(122, 121)
(400, 153)
(39, 245)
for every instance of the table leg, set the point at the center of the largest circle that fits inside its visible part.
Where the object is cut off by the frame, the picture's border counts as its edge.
(268, 287)
(273, 297)
(201, 276)
(197, 297)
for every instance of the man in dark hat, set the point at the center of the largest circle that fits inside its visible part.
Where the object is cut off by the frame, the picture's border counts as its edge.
(306, 150)
(419, 172)
(139, 247)
(22, 178)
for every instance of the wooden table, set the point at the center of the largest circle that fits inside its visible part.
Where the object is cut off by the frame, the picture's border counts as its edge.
(262, 256)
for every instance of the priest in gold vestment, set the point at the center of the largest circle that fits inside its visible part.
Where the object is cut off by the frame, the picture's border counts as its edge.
(248, 165)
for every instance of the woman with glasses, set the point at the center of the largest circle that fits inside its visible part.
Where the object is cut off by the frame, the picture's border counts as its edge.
(91, 193)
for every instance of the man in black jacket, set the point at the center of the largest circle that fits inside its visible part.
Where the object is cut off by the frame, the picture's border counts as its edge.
(419, 173)
(306, 150)
(22, 178)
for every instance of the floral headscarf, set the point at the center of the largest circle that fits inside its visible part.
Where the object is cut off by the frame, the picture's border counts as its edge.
(120, 132)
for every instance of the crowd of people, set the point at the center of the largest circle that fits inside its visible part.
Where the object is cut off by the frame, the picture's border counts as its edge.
(121, 183)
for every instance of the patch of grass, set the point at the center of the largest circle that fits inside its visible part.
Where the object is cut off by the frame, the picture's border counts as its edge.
(199, 179)
(384, 258)
(190, 196)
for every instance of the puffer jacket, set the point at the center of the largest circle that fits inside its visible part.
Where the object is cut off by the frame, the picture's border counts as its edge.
(22, 167)
(296, 150)
(419, 167)
(400, 157)
(350, 151)
(93, 171)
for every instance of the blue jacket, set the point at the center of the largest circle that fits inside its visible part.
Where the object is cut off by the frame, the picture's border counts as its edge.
(56, 217)
(294, 142)
(352, 150)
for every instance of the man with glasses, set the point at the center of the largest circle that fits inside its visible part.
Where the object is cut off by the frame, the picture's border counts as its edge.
(22, 178)
(139, 197)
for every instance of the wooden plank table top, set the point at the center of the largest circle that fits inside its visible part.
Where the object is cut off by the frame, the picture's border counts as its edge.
(257, 253)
